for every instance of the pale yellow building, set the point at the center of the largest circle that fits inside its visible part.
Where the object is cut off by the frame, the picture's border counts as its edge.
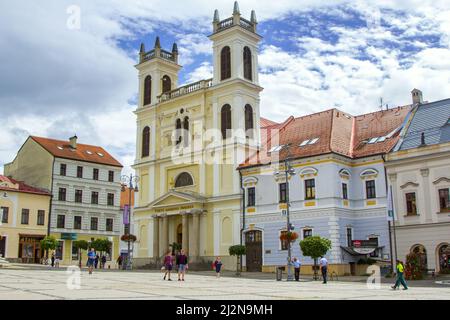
(189, 186)
(24, 220)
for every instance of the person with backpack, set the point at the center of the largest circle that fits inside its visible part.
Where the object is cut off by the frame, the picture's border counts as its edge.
(400, 279)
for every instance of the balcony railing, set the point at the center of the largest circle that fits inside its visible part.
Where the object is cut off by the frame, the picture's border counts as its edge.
(159, 53)
(184, 90)
(229, 22)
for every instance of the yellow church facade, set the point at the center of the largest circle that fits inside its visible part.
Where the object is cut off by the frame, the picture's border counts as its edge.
(190, 140)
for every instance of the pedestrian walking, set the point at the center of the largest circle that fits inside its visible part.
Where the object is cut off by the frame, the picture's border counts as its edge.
(119, 261)
(91, 260)
(168, 265)
(182, 263)
(217, 265)
(324, 268)
(400, 278)
(53, 259)
(56, 262)
(297, 266)
(103, 261)
(97, 258)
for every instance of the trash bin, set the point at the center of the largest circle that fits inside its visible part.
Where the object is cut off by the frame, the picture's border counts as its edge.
(280, 273)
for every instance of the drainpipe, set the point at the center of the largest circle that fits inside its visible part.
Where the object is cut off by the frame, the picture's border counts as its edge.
(243, 212)
(51, 200)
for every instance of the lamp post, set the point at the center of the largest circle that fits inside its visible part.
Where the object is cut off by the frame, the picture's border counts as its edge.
(288, 171)
(132, 182)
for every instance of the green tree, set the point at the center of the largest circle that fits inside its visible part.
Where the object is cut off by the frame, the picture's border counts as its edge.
(238, 251)
(49, 243)
(80, 245)
(315, 247)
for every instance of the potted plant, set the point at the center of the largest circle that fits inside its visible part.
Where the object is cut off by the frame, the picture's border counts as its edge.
(238, 251)
(289, 236)
(128, 238)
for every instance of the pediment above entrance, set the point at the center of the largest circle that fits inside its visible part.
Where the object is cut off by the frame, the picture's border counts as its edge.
(173, 198)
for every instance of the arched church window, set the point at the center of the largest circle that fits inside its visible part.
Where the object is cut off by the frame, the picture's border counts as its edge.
(146, 142)
(183, 180)
(186, 131)
(178, 131)
(147, 90)
(249, 120)
(247, 64)
(166, 84)
(225, 63)
(225, 117)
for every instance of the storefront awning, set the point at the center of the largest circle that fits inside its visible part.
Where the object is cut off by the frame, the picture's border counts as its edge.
(361, 251)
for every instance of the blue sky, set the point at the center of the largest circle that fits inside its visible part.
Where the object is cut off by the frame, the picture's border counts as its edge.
(315, 55)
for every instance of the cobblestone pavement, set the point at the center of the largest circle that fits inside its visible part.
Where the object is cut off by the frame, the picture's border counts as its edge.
(39, 283)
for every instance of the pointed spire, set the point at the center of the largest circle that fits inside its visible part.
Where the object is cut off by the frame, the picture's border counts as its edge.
(174, 48)
(142, 50)
(236, 8)
(157, 43)
(253, 17)
(216, 16)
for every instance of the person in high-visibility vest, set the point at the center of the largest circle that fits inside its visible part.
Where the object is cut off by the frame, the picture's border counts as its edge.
(400, 278)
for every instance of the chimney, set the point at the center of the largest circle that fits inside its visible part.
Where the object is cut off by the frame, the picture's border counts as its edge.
(73, 142)
(422, 140)
(417, 96)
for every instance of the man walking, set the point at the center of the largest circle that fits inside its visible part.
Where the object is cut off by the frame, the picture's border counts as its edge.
(182, 263)
(324, 268)
(91, 260)
(297, 266)
(400, 278)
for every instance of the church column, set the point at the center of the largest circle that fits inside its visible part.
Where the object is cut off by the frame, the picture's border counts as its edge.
(156, 252)
(165, 234)
(194, 246)
(185, 236)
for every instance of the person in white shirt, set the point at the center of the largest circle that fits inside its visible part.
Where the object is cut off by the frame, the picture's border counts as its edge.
(324, 268)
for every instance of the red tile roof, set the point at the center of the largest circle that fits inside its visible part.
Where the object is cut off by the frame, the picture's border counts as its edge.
(83, 152)
(337, 132)
(266, 122)
(20, 186)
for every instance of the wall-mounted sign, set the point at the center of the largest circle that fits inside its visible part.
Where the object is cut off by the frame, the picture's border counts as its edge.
(372, 243)
(68, 236)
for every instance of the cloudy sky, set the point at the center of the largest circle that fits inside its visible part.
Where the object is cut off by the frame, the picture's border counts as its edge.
(57, 79)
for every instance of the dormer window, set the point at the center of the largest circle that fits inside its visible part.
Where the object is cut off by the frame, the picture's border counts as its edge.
(276, 148)
(309, 142)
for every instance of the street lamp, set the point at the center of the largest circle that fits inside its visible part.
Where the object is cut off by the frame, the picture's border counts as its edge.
(132, 182)
(288, 171)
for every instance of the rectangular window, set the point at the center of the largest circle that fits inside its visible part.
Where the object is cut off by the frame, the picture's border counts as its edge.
(111, 176)
(109, 224)
(344, 191)
(62, 194)
(251, 197)
(62, 169)
(61, 221)
(5, 213)
(307, 233)
(59, 250)
(95, 174)
(79, 172)
(283, 192)
(375, 254)
(41, 218)
(110, 199)
(370, 189)
(411, 209)
(77, 222)
(75, 252)
(444, 200)
(79, 196)
(310, 189)
(25, 216)
(94, 223)
(349, 237)
(94, 197)
(283, 243)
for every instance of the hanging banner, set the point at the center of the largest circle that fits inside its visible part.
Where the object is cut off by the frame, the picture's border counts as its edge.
(126, 214)
(390, 206)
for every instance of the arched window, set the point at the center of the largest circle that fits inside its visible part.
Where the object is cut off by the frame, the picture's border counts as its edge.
(225, 63)
(166, 84)
(186, 131)
(247, 64)
(249, 120)
(178, 131)
(225, 117)
(147, 90)
(183, 180)
(146, 142)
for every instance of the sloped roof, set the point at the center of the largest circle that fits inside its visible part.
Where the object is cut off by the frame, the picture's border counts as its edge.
(19, 186)
(334, 131)
(83, 152)
(266, 122)
(432, 119)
